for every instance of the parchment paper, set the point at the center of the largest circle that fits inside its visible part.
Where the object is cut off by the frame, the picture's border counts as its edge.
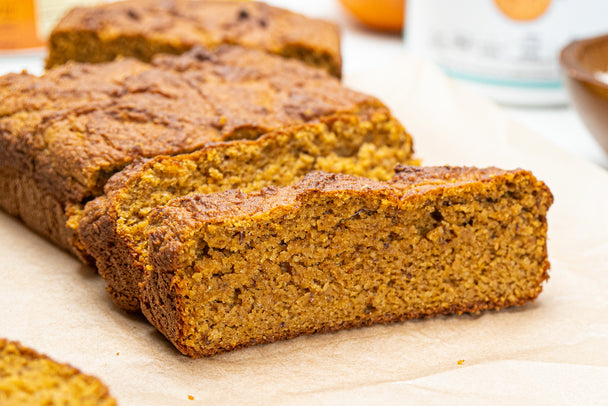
(553, 351)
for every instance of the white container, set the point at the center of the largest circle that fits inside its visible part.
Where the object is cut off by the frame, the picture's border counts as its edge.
(507, 48)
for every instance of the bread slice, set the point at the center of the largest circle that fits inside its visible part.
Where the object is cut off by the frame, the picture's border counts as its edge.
(29, 378)
(64, 134)
(332, 252)
(113, 227)
(142, 28)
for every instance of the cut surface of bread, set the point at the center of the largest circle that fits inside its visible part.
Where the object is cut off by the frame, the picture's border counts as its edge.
(64, 134)
(28, 378)
(113, 226)
(332, 252)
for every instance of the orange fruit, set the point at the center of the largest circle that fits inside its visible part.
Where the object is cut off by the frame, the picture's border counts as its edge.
(523, 10)
(385, 15)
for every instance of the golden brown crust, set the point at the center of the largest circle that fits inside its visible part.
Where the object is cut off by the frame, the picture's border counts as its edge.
(78, 124)
(86, 122)
(195, 208)
(27, 376)
(21, 197)
(174, 227)
(140, 29)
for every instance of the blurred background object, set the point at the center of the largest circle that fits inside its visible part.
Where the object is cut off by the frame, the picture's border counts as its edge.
(18, 25)
(507, 48)
(585, 63)
(382, 15)
(26, 24)
(51, 11)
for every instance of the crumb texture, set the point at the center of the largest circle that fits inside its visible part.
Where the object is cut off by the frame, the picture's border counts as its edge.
(67, 132)
(333, 251)
(369, 145)
(28, 378)
(142, 29)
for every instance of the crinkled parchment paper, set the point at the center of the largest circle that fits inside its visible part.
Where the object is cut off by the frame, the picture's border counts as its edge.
(552, 351)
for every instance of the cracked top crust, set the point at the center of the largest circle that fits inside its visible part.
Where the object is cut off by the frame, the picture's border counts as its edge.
(233, 205)
(177, 25)
(76, 125)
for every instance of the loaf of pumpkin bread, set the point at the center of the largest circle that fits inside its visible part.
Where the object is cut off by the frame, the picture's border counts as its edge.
(113, 226)
(142, 28)
(29, 378)
(332, 252)
(64, 134)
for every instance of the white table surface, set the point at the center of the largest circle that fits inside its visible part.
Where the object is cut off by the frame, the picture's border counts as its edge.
(364, 50)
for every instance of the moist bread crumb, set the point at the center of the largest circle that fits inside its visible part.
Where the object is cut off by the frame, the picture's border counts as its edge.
(332, 252)
(64, 134)
(29, 378)
(142, 29)
(113, 226)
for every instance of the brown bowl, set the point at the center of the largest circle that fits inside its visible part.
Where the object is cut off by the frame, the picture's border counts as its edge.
(581, 60)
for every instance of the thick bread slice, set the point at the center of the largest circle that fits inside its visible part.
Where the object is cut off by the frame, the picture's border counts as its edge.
(332, 252)
(29, 378)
